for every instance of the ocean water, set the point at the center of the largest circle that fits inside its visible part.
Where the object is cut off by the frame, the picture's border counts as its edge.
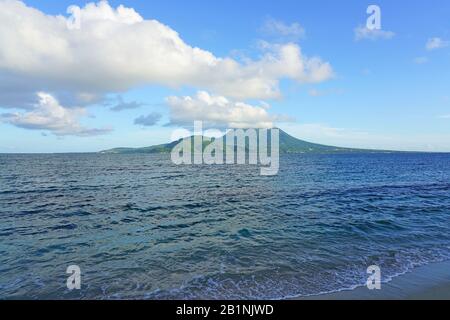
(140, 227)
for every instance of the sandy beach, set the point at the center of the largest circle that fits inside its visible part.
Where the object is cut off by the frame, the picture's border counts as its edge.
(429, 282)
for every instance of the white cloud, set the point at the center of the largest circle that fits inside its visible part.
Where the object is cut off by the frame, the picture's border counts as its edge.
(445, 116)
(220, 112)
(436, 43)
(273, 27)
(116, 49)
(49, 115)
(420, 60)
(362, 32)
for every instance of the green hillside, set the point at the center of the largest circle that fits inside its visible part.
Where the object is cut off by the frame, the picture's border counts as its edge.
(288, 144)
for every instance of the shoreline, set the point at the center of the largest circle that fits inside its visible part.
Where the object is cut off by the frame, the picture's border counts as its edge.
(428, 282)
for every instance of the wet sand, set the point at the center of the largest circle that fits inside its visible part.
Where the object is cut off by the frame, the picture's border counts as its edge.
(430, 282)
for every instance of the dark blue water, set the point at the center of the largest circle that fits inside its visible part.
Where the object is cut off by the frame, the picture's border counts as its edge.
(141, 227)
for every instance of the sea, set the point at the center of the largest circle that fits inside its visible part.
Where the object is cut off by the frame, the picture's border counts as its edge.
(140, 227)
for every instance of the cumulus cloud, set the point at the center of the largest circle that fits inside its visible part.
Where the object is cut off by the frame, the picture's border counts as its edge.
(436, 43)
(149, 120)
(49, 115)
(362, 32)
(100, 49)
(219, 111)
(277, 28)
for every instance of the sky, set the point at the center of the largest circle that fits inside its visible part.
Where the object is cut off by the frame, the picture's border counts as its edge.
(80, 76)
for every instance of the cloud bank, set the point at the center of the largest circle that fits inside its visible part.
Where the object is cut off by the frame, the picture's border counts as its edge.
(49, 115)
(218, 111)
(99, 49)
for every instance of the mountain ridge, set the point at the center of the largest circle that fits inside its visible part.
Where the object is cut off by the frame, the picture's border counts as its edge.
(287, 143)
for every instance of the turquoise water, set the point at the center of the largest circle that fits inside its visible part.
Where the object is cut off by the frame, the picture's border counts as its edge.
(140, 227)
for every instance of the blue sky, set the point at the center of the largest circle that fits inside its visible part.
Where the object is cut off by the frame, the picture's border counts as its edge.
(390, 92)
